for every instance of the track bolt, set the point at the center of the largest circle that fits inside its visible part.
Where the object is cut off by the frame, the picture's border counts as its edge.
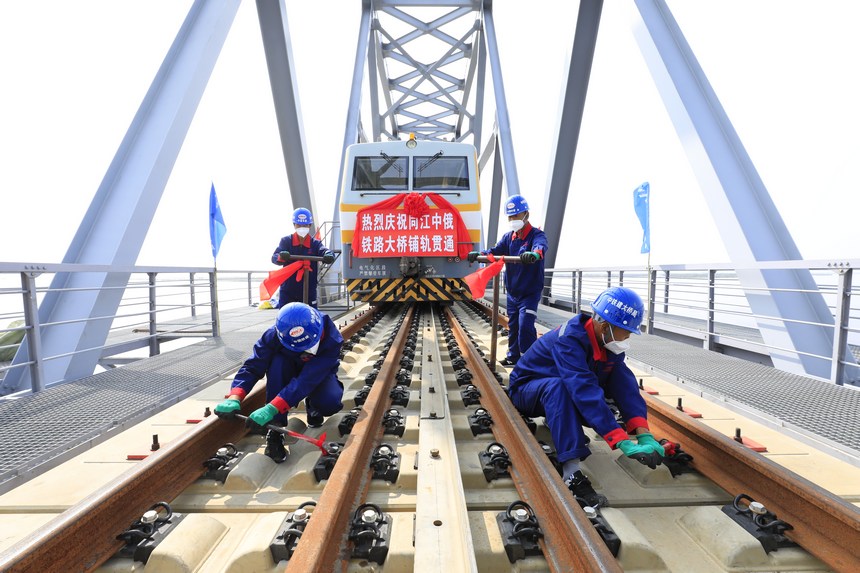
(155, 445)
(434, 453)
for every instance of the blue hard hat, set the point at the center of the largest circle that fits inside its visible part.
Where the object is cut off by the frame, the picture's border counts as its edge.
(302, 216)
(299, 326)
(621, 307)
(515, 205)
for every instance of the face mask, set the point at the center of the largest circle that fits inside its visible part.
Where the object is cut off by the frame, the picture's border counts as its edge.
(616, 346)
(517, 224)
(302, 232)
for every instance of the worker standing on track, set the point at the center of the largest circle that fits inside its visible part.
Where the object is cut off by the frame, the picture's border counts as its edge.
(300, 243)
(299, 356)
(568, 374)
(523, 283)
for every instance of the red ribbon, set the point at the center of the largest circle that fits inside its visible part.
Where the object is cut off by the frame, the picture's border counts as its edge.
(413, 207)
(478, 280)
(271, 284)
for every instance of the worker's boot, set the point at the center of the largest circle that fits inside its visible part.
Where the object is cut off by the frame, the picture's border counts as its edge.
(275, 447)
(584, 493)
(315, 419)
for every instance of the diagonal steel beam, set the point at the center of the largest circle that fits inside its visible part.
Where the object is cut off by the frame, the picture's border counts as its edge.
(75, 313)
(801, 334)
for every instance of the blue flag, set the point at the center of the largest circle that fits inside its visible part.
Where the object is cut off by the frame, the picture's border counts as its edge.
(640, 204)
(217, 228)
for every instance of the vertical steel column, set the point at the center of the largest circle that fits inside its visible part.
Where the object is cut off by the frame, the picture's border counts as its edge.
(709, 320)
(213, 303)
(495, 195)
(193, 295)
(34, 333)
(153, 319)
(620, 278)
(843, 315)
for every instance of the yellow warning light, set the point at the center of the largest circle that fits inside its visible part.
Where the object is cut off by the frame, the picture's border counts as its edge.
(411, 144)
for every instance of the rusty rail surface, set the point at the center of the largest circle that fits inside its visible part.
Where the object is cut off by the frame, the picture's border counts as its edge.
(107, 512)
(824, 524)
(324, 540)
(570, 543)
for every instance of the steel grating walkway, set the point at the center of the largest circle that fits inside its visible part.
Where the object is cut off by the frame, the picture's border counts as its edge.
(40, 431)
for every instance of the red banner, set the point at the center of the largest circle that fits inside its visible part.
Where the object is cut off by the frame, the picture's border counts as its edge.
(478, 280)
(270, 285)
(387, 229)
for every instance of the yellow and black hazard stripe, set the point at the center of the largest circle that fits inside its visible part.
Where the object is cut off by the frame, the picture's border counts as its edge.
(408, 289)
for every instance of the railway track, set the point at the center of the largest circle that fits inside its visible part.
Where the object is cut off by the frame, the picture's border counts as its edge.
(458, 467)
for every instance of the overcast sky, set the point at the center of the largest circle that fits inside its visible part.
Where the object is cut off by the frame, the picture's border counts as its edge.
(74, 74)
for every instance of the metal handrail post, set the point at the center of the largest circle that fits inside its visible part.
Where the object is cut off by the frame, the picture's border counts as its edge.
(620, 278)
(153, 326)
(708, 343)
(34, 334)
(840, 332)
(578, 292)
(213, 298)
(250, 295)
(652, 299)
(608, 279)
(495, 328)
(193, 295)
(666, 293)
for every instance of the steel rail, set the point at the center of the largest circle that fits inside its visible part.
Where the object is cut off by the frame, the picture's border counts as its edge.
(570, 542)
(324, 540)
(824, 524)
(107, 512)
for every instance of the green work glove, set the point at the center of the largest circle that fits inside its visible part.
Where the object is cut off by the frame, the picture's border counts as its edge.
(264, 415)
(647, 439)
(227, 408)
(529, 257)
(328, 258)
(473, 256)
(643, 454)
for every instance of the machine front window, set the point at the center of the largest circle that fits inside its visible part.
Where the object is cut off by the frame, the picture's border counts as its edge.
(443, 173)
(380, 173)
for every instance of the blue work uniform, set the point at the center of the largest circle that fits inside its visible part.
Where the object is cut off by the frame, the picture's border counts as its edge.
(566, 377)
(295, 376)
(292, 290)
(524, 286)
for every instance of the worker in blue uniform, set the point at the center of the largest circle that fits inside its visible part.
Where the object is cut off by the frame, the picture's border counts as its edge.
(523, 282)
(300, 243)
(568, 375)
(299, 356)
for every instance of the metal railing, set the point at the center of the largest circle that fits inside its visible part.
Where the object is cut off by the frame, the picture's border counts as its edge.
(159, 305)
(163, 304)
(708, 302)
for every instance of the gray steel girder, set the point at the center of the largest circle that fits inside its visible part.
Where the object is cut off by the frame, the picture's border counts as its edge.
(279, 59)
(567, 136)
(115, 225)
(798, 324)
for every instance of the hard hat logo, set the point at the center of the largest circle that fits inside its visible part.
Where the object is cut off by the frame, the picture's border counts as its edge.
(299, 326)
(621, 307)
(516, 204)
(302, 216)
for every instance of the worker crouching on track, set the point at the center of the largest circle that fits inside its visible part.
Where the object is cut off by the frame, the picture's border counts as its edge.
(299, 356)
(300, 243)
(523, 283)
(568, 374)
